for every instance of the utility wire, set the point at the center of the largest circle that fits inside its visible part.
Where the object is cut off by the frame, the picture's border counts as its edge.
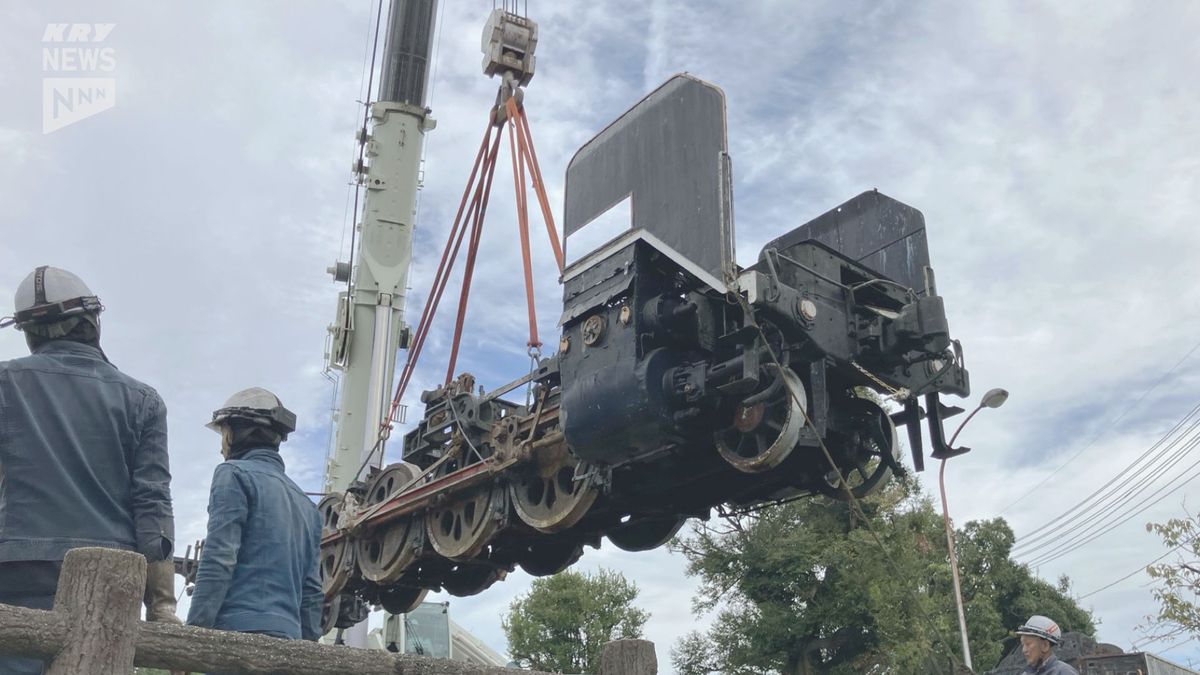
(1118, 497)
(1139, 569)
(1095, 531)
(1089, 502)
(1058, 553)
(1089, 533)
(1112, 508)
(1110, 427)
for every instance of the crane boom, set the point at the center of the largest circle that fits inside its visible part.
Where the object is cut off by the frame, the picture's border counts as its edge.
(370, 321)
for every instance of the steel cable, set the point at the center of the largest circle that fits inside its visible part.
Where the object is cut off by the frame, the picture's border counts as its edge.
(1076, 543)
(1110, 427)
(1049, 529)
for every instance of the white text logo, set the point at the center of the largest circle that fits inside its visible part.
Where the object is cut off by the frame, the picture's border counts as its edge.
(77, 69)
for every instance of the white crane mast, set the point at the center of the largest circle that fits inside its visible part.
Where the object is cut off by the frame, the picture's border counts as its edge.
(370, 328)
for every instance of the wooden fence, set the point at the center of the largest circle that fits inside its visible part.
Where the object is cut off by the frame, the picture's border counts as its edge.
(95, 628)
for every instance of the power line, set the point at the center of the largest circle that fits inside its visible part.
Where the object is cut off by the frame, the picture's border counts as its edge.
(1076, 544)
(1110, 427)
(1049, 528)
(1116, 499)
(1139, 569)
(1058, 553)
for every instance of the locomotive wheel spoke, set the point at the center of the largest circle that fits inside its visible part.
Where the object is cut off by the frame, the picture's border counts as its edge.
(460, 529)
(336, 559)
(552, 499)
(765, 433)
(864, 461)
(384, 554)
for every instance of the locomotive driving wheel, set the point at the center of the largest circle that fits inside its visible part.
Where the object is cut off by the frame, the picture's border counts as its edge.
(468, 579)
(460, 527)
(766, 425)
(644, 534)
(546, 556)
(551, 494)
(337, 559)
(866, 456)
(401, 599)
(385, 553)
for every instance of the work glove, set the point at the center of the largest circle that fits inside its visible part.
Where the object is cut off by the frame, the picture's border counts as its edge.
(160, 592)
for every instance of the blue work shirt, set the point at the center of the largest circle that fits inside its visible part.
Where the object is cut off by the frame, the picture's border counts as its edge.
(259, 570)
(1051, 666)
(83, 457)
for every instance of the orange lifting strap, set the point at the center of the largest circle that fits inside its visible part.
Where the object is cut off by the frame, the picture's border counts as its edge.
(478, 191)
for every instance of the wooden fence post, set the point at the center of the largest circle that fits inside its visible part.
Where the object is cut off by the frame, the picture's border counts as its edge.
(100, 595)
(628, 657)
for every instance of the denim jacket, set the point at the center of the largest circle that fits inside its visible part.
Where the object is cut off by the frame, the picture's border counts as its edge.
(259, 569)
(83, 457)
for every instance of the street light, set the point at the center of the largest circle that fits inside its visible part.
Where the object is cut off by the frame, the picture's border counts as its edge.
(993, 399)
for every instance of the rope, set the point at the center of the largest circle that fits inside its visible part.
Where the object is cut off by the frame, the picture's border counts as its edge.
(855, 506)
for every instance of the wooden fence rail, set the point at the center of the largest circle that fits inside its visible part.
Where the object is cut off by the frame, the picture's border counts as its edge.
(94, 628)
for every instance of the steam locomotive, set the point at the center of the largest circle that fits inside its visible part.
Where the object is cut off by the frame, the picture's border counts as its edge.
(681, 382)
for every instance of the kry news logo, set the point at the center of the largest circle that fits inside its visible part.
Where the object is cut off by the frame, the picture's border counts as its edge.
(76, 56)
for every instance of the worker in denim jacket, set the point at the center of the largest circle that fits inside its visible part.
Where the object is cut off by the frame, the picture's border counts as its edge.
(83, 454)
(259, 568)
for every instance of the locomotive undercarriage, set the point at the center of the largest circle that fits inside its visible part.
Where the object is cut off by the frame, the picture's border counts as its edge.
(716, 407)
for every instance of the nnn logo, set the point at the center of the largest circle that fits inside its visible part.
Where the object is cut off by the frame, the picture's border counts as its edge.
(77, 68)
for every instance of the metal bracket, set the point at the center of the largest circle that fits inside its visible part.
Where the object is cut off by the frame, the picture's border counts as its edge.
(935, 411)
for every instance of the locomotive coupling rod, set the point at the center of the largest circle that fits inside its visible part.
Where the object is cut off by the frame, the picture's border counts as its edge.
(419, 498)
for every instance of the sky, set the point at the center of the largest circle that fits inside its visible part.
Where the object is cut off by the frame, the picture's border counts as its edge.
(1054, 149)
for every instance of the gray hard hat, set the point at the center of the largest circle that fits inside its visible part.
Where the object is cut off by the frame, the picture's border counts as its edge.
(1043, 627)
(50, 295)
(255, 406)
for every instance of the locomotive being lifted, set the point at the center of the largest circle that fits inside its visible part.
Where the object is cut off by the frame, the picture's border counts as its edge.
(681, 382)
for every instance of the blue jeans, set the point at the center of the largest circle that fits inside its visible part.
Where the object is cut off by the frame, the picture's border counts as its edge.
(27, 584)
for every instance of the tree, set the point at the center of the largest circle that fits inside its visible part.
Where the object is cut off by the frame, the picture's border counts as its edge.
(1001, 594)
(1177, 583)
(806, 588)
(565, 620)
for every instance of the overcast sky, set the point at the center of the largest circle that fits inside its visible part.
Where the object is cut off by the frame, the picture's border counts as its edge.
(1053, 148)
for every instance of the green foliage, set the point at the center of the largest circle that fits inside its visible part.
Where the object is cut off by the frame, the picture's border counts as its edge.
(565, 620)
(806, 589)
(1177, 583)
(1001, 594)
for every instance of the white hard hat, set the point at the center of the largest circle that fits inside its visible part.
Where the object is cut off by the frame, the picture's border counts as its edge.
(50, 295)
(256, 406)
(1040, 626)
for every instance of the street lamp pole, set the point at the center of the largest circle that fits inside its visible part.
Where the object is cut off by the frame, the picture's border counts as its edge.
(993, 399)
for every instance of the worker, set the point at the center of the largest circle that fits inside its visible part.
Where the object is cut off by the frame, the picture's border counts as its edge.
(259, 569)
(83, 453)
(1039, 637)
